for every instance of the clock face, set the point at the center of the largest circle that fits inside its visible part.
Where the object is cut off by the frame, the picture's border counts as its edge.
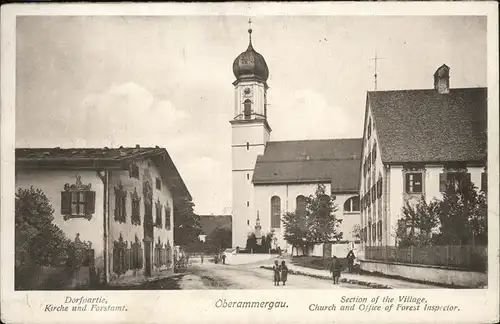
(247, 91)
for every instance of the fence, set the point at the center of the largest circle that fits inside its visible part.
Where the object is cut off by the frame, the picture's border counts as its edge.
(467, 257)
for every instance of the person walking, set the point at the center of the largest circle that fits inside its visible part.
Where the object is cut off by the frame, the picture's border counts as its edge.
(201, 256)
(284, 272)
(276, 271)
(350, 260)
(223, 258)
(335, 268)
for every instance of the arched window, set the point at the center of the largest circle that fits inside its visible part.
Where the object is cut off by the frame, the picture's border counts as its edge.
(247, 108)
(301, 205)
(275, 212)
(352, 205)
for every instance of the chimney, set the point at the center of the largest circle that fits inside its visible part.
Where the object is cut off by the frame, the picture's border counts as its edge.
(137, 146)
(442, 79)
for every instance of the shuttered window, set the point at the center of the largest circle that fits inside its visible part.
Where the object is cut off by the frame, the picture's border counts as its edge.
(78, 203)
(413, 182)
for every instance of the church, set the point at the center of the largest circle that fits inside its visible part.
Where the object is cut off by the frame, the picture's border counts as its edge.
(271, 178)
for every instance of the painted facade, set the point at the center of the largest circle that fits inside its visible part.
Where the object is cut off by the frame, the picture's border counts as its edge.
(129, 196)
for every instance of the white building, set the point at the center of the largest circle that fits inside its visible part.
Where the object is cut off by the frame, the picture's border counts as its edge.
(272, 178)
(119, 202)
(415, 142)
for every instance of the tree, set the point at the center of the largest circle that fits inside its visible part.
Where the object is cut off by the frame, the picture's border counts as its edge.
(462, 216)
(251, 242)
(417, 223)
(295, 229)
(38, 242)
(322, 224)
(186, 223)
(356, 232)
(220, 238)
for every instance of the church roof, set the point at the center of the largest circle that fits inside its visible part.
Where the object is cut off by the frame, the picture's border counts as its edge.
(311, 161)
(101, 159)
(425, 126)
(209, 223)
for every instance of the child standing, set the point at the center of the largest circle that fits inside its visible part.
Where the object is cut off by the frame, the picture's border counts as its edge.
(284, 272)
(276, 270)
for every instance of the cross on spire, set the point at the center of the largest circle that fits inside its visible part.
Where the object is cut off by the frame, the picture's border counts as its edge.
(250, 31)
(375, 75)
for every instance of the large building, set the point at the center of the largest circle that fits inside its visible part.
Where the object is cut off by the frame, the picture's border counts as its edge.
(117, 204)
(415, 143)
(272, 178)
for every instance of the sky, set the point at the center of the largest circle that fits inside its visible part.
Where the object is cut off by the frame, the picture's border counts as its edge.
(98, 81)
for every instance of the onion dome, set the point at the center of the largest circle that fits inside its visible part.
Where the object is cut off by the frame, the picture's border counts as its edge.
(250, 64)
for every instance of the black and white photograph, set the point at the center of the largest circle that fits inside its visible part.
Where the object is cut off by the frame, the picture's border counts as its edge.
(237, 152)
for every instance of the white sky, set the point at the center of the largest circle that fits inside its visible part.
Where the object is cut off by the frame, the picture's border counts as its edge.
(111, 81)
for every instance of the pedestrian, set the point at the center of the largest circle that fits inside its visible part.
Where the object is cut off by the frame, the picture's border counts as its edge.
(335, 268)
(284, 272)
(223, 258)
(350, 260)
(201, 258)
(276, 271)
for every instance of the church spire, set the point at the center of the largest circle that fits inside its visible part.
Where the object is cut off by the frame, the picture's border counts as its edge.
(250, 33)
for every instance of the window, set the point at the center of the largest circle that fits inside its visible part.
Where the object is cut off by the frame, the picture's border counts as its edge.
(374, 193)
(369, 128)
(368, 161)
(484, 182)
(374, 153)
(248, 222)
(275, 212)
(168, 221)
(300, 202)
(248, 146)
(120, 204)
(136, 209)
(77, 200)
(374, 232)
(453, 181)
(379, 188)
(248, 176)
(352, 205)
(413, 182)
(158, 221)
(368, 232)
(158, 183)
(379, 230)
(134, 171)
(248, 203)
(247, 108)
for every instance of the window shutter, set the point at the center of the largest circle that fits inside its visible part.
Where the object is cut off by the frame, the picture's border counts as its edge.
(65, 202)
(442, 182)
(484, 182)
(90, 200)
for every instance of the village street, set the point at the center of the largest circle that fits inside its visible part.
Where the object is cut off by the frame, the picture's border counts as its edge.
(244, 276)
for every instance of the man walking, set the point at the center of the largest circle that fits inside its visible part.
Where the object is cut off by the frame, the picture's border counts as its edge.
(335, 268)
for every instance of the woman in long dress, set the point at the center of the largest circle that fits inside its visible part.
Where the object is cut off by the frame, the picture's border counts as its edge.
(276, 270)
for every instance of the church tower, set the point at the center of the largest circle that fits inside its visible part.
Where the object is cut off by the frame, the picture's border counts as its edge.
(250, 133)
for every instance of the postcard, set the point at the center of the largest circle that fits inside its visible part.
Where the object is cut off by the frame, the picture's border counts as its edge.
(250, 162)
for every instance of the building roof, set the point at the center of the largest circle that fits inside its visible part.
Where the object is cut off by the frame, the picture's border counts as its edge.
(250, 64)
(102, 159)
(425, 126)
(332, 160)
(209, 223)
